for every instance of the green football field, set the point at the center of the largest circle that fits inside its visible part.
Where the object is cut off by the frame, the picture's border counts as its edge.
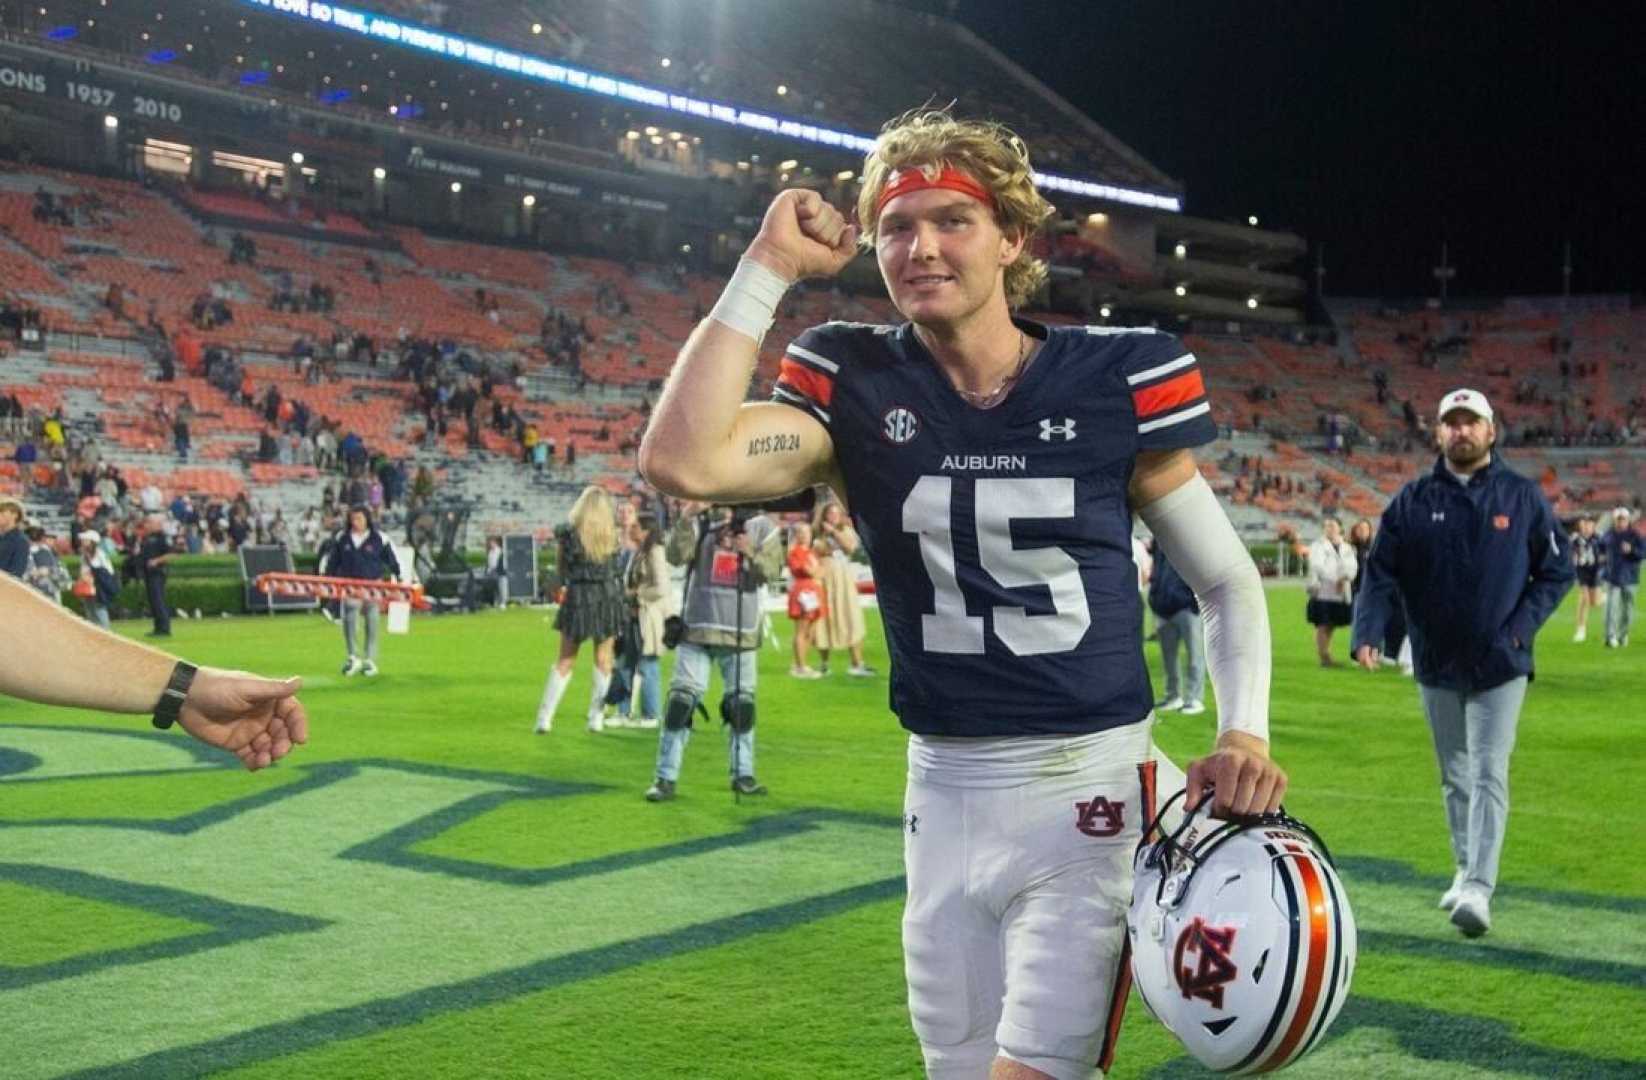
(429, 890)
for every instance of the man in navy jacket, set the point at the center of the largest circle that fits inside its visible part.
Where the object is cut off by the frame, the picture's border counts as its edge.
(1476, 555)
(1621, 549)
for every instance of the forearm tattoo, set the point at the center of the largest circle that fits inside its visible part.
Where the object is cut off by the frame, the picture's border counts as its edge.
(774, 444)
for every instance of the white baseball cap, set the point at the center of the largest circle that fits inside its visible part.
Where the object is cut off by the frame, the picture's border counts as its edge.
(1621, 511)
(1472, 400)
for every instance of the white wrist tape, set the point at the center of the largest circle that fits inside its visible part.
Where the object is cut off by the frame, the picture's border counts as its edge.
(1196, 536)
(749, 302)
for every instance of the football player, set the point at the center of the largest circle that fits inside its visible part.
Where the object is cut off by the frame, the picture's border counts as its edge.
(992, 466)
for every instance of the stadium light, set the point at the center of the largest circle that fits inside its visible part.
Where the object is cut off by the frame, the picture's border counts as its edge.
(528, 201)
(657, 140)
(782, 90)
(1251, 219)
(844, 174)
(379, 173)
(664, 62)
(1251, 302)
(651, 130)
(675, 135)
(111, 121)
(457, 186)
(297, 157)
(1105, 311)
(1181, 251)
(1099, 218)
(1182, 290)
(537, 28)
(789, 165)
(344, 20)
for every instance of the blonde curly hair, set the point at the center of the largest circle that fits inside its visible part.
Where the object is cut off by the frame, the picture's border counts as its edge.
(993, 154)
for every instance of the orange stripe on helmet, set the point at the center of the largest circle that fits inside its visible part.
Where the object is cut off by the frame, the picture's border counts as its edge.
(1319, 939)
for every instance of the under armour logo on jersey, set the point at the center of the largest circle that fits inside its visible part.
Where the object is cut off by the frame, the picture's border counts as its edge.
(900, 425)
(1437, 515)
(1213, 969)
(1064, 431)
(1100, 817)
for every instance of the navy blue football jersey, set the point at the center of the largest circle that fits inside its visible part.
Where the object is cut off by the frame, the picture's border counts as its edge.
(1001, 538)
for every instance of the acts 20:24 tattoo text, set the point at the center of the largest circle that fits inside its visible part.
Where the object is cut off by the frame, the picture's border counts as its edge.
(773, 444)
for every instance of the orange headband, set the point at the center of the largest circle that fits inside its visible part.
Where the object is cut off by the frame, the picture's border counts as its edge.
(907, 180)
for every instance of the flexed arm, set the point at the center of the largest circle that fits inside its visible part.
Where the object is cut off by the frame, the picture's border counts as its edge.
(704, 442)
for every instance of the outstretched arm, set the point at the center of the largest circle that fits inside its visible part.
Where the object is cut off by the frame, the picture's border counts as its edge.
(703, 441)
(1177, 504)
(50, 656)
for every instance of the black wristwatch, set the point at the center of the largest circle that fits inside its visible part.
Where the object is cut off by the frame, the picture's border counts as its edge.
(171, 698)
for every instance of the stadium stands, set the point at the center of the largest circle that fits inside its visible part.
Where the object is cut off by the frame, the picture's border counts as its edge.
(1311, 426)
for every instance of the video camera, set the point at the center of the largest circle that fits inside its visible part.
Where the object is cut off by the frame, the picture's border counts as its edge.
(801, 502)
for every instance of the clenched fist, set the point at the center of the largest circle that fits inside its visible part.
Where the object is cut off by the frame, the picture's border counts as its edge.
(803, 236)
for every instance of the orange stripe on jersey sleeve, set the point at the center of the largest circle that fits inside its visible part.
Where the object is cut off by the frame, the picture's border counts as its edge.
(1169, 394)
(810, 382)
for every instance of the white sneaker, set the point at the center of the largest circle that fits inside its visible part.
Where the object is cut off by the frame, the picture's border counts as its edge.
(1473, 913)
(353, 666)
(596, 724)
(1581, 636)
(798, 672)
(370, 669)
(1448, 899)
(861, 671)
(544, 725)
(1194, 708)
(1171, 704)
(646, 723)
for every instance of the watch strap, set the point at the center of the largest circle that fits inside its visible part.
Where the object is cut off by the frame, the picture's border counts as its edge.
(171, 698)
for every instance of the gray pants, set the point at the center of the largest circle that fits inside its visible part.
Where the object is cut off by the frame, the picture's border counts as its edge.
(1474, 735)
(1184, 629)
(1620, 611)
(691, 675)
(351, 611)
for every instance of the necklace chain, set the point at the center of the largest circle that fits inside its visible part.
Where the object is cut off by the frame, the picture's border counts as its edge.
(984, 399)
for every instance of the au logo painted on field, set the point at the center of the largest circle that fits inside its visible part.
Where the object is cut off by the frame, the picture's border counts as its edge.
(316, 882)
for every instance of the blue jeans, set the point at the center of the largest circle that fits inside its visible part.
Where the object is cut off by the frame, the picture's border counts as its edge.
(691, 676)
(647, 682)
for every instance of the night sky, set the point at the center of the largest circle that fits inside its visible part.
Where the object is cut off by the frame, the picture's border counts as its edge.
(1378, 128)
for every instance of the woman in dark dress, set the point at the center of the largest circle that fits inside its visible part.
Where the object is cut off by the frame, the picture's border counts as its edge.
(593, 607)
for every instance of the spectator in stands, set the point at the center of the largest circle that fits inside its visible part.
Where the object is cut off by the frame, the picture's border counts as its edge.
(842, 625)
(1471, 549)
(1331, 577)
(14, 545)
(593, 607)
(153, 554)
(1587, 556)
(806, 605)
(1178, 622)
(1623, 554)
(359, 551)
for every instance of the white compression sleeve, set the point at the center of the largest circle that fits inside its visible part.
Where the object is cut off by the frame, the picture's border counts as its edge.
(1197, 537)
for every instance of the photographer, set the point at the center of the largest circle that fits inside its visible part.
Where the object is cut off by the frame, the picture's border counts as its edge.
(728, 558)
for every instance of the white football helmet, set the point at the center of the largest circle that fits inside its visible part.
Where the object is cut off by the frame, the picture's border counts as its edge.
(1241, 937)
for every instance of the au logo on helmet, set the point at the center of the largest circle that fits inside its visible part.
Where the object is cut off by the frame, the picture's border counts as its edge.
(1242, 939)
